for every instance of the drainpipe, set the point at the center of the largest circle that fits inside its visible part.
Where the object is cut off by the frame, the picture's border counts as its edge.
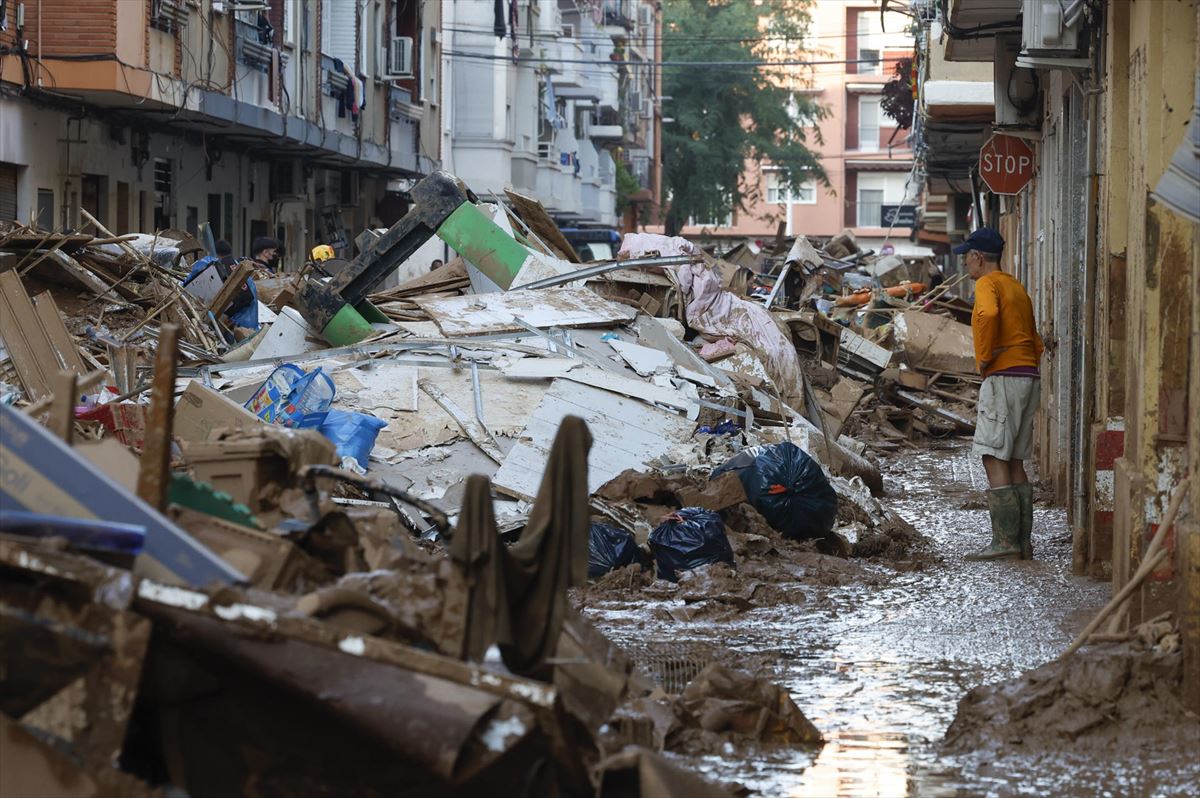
(40, 61)
(1087, 379)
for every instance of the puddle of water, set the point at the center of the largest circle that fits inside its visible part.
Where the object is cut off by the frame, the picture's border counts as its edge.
(881, 670)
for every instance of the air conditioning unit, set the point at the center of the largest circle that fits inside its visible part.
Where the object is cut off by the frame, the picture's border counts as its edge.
(240, 5)
(635, 101)
(1051, 27)
(647, 108)
(645, 16)
(1016, 92)
(399, 58)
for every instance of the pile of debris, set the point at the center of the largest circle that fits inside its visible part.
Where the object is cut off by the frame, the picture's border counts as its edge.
(889, 343)
(358, 524)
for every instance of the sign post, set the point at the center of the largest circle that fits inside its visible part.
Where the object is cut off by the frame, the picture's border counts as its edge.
(1006, 164)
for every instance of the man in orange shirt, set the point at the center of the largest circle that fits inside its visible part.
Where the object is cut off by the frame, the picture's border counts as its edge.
(1007, 352)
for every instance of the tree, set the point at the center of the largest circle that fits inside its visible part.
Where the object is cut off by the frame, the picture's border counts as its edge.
(725, 115)
(898, 99)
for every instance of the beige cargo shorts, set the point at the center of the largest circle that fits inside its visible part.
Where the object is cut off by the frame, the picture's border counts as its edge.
(1004, 421)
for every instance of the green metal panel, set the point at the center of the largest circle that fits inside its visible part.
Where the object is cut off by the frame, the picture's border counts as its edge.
(482, 243)
(346, 327)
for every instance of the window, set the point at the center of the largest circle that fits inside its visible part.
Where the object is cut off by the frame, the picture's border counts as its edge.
(8, 191)
(878, 194)
(338, 34)
(868, 49)
(778, 194)
(870, 207)
(163, 178)
(726, 222)
(868, 124)
(291, 21)
(45, 209)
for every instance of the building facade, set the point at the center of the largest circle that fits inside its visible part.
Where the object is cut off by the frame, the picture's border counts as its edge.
(551, 98)
(867, 159)
(302, 120)
(1106, 237)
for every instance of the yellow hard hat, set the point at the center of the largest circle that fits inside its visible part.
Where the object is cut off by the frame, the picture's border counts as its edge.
(322, 252)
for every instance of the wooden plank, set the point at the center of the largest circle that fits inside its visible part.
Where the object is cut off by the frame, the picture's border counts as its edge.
(62, 411)
(52, 324)
(31, 352)
(533, 213)
(240, 275)
(84, 276)
(154, 476)
(626, 433)
(477, 314)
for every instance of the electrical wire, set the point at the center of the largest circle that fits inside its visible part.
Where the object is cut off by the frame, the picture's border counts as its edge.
(667, 64)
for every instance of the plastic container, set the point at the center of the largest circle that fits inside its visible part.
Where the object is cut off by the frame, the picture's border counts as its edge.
(293, 397)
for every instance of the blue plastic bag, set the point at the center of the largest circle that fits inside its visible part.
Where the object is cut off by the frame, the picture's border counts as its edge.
(610, 548)
(688, 539)
(292, 397)
(352, 433)
(788, 487)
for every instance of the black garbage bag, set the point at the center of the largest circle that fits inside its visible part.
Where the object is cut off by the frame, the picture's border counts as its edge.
(788, 487)
(610, 548)
(688, 539)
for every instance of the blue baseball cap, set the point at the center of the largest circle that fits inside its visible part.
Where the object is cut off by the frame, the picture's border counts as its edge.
(985, 239)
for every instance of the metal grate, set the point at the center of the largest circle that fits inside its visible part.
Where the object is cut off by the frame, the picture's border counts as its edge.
(672, 664)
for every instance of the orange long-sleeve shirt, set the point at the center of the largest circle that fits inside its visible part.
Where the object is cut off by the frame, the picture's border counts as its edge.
(1002, 325)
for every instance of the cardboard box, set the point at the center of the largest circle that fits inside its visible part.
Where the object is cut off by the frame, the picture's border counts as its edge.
(935, 343)
(201, 411)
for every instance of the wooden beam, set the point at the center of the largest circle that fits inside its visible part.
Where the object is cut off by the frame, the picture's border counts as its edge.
(62, 409)
(234, 284)
(155, 475)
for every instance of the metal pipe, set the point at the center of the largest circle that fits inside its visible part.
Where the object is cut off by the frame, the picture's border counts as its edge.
(1087, 379)
(602, 268)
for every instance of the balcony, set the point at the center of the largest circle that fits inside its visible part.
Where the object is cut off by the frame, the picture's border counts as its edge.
(255, 53)
(616, 19)
(968, 15)
(607, 134)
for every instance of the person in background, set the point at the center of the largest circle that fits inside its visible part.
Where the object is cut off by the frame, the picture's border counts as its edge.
(242, 310)
(225, 254)
(265, 252)
(1008, 350)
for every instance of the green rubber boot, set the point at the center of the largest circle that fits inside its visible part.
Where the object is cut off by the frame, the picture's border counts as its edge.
(1005, 509)
(1025, 494)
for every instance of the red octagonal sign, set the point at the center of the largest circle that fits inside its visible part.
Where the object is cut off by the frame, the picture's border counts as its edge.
(1006, 164)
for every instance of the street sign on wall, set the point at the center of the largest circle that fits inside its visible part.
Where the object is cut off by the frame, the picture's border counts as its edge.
(1006, 164)
(900, 215)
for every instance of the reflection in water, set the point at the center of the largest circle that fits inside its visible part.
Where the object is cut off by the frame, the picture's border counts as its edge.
(879, 666)
(857, 765)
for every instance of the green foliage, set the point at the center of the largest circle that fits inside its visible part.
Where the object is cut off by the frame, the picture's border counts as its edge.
(725, 116)
(627, 185)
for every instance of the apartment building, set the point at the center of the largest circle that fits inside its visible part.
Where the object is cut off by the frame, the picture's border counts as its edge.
(1106, 236)
(866, 157)
(547, 98)
(303, 119)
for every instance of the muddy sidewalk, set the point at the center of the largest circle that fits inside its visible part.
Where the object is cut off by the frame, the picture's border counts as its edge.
(880, 662)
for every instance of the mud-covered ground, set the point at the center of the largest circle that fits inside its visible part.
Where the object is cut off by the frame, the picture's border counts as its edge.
(878, 654)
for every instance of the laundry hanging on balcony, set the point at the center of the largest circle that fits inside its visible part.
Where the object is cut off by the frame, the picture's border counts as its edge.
(550, 107)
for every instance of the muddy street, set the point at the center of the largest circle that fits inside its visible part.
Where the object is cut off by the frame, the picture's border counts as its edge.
(879, 664)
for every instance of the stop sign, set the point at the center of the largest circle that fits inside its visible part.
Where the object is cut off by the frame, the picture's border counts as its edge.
(1006, 164)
